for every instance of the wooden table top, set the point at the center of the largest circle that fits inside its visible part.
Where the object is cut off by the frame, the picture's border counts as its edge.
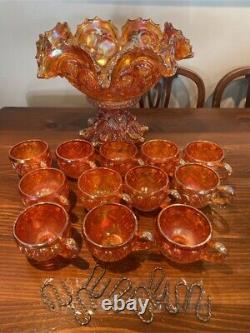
(21, 309)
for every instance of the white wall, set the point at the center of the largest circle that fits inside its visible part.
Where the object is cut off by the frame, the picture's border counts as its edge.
(219, 32)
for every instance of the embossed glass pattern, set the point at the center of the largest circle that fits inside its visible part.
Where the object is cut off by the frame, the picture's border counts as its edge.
(74, 157)
(146, 188)
(114, 70)
(98, 186)
(199, 186)
(119, 155)
(46, 184)
(161, 153)
(42, 233)
(209, 154)
(30, 155)
(111, 232)
(184, 233)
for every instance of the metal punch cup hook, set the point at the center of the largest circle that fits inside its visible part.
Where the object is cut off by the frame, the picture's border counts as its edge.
(174, 309)
(171, 308)
(164, 298)
(155, 286)
(49, 284)
(80, 312)
(150, 305)
(79, 298)
(60, 295)
(81, 315)
(122, 291)
(96, 282)
(200, 287)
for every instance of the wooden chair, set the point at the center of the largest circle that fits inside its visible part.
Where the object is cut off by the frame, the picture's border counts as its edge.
(228, 78)
(159, 95)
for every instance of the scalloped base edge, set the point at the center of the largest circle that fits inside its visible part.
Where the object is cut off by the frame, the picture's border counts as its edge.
(114, 125)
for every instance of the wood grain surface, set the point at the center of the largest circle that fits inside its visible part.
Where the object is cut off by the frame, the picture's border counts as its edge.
(21, 309)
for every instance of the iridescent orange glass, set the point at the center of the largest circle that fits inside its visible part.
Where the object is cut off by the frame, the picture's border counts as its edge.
(163, 154)
(47, 184)
(183, 235)
(199, 186)
(146, 188)
(30, 155)
(119, 155)
(42, 232)
(114, 70)
(111, 233)
(75, 156)
(209, 154)
(98, 186)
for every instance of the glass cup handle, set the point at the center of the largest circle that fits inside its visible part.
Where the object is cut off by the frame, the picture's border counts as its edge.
(69, 248)
(92, 164)
(228, 168)
(224, 169)
(214, 252)
(182, 161)
(175, 194)
(63, 200)
(144, 241)
(223, 195)
(140, 161)
(127, 198)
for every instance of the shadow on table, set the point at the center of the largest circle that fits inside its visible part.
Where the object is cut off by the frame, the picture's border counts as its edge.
(135, 260)
(218, 222)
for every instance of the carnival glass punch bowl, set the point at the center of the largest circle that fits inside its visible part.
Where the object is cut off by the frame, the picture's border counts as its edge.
(113, 70)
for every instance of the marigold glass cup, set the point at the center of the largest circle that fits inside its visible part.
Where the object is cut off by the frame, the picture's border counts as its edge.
(98, 186)
(111, 233)
(42, 232)
(209, 154)
(198, 185)
(30, 155)
(46, 184)
(146, 188)
(75, 156)
(119, 155)
(183, 234)
(162, 154)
